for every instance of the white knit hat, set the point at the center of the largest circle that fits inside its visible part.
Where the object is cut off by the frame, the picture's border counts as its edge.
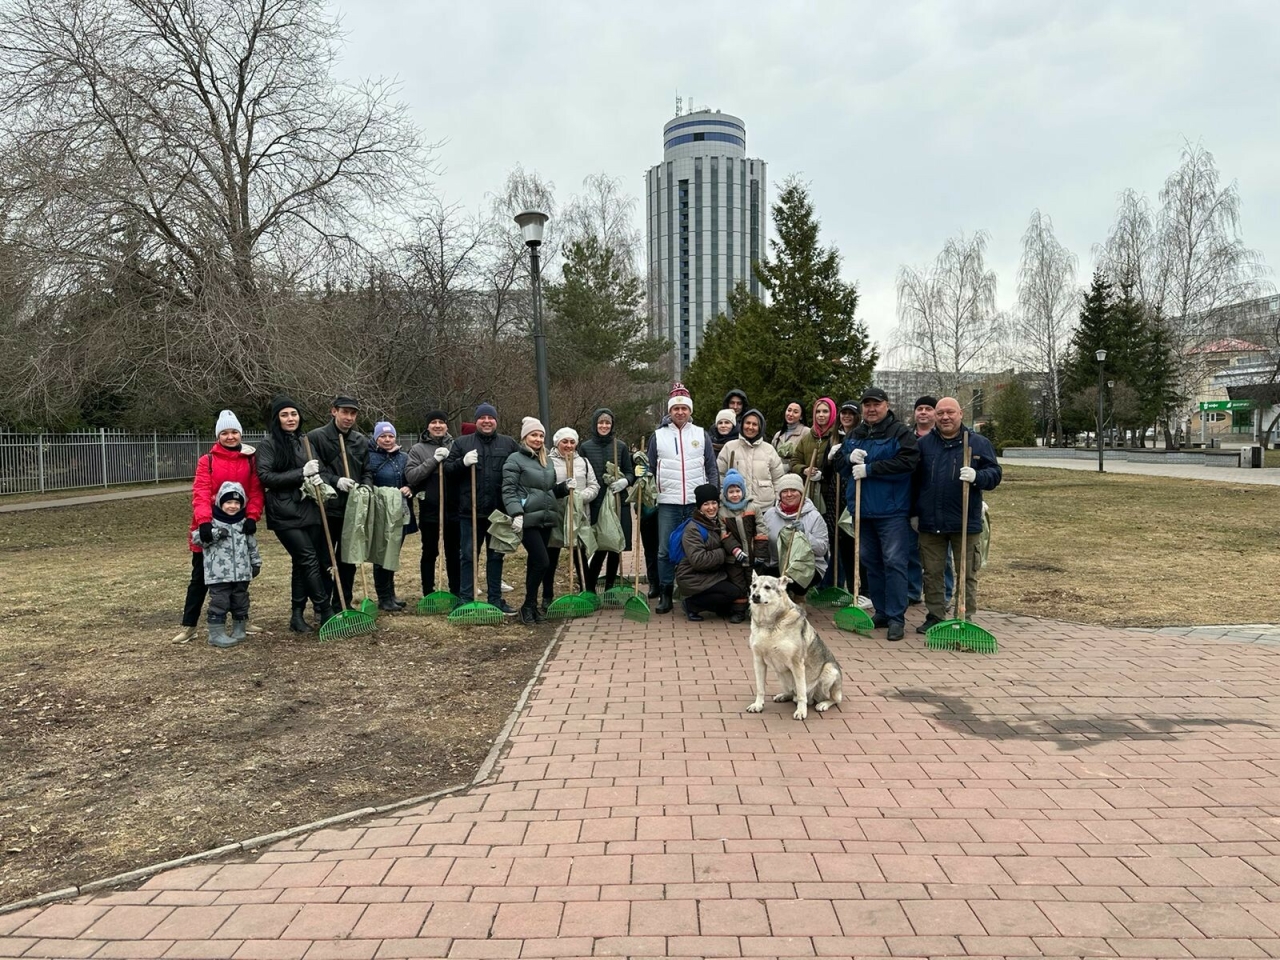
(727, 414)
(530, 424)
(227, 421)
(565, 433)
(679, 396)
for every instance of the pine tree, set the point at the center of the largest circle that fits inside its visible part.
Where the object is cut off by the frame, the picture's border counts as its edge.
(1014, 418)
(1095, 332)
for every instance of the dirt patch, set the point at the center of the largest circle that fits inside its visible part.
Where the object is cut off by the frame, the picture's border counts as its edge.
(121, 749)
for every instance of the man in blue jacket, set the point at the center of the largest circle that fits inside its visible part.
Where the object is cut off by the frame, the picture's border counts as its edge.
(881, 453)
(939, 486)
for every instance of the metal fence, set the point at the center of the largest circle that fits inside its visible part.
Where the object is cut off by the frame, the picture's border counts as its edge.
(39, 462)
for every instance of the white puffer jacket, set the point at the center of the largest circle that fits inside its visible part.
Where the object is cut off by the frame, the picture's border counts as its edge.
(759, 465)
(588, 486)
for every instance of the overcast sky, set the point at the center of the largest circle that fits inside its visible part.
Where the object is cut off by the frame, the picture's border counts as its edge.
(910, 120)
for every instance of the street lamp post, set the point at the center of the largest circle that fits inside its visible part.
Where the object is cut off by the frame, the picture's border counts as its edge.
(531, 223)
(1102, 385)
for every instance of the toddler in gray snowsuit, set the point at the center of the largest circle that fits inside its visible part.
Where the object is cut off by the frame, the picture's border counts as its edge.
(230, 562)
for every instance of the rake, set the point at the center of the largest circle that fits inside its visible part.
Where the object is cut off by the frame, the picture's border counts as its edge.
(572, 604)
(834, 595)
(475, 613)
(617, 596)
(345, 623)
(853, 617)
(367, 605)
(959, 633)
(637, 607)
(439, 601)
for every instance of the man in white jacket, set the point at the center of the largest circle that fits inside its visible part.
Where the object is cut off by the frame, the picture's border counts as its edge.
(682, 457)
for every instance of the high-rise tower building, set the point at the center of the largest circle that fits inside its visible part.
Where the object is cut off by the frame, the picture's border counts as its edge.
(706, 217)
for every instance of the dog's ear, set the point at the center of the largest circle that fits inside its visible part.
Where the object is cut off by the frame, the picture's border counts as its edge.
(754, 577)
(783, 582)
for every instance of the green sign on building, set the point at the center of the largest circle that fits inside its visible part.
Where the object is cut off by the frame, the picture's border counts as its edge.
(1226, 404)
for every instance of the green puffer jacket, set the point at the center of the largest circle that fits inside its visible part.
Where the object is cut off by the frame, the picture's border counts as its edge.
(529, 489)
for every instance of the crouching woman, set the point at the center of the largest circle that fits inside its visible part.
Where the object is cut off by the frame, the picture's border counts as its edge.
(702, 575)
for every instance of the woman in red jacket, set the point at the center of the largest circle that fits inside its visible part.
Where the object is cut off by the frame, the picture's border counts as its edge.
(228, 459)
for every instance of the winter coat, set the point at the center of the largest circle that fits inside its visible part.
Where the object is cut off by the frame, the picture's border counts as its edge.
(705, 558)
(681, 460)
(598, 450)
(389, 469)
(280, 461)
(758, 462)
(215, 468)
(718, 439)
(740, 534)
(892, 455)
(494, 450)
(789, 434)
(938, 489)
(531, 490)
(588, 488)
(422, 477)
(810, 522)
(233, 555)
(805, 448)
(327, 443)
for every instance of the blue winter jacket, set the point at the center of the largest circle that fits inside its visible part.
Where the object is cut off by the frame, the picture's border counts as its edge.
(937, 485)
(891, 458)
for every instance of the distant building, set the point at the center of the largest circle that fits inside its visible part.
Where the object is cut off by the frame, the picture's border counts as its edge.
(706, 217)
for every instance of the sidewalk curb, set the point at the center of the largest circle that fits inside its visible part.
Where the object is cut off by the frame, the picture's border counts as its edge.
(142, 873)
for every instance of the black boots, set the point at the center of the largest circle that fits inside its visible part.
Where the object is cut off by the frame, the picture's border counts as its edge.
(297, 622)
(664, 604)
(529, 615)
(384, 584)
(655, 590)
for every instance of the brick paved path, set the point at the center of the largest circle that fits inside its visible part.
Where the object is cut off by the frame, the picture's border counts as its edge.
(1085, 792)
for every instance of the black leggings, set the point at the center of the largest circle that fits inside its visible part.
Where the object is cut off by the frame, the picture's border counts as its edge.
(719, 598)
(196, 592)
(539, 561)
(576, 582)
(310, 578)
(599, 560)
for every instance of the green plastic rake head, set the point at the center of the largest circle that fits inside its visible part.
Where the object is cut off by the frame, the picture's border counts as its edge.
(348, 623)
(831, 597)
(855, 619)
(636, 609)
(369, 608)
(437, 604)
(476, 614)
(570, 606)
(619, 595)
(960, 635)
(592, 598)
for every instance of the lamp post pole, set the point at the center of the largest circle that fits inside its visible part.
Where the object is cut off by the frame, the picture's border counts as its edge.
(531, 223)
(1102, 358)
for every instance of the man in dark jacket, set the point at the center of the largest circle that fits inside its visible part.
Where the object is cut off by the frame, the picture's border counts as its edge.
(423, 477)
(341, 450)
(939, 487)
(486, 451)
(882, 453)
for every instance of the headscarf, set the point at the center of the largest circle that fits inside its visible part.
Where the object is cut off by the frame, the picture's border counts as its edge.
(833, 419)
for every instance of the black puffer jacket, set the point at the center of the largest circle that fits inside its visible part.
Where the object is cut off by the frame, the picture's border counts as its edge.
(422, 477)
(280, 460)
(599, 451)
(529, 489)
(326, 447)
(494, 450)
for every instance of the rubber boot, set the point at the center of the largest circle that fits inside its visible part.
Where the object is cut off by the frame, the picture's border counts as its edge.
(655, 590)
(664, 604)
(384, 586)
(324, 611)
(297, 622)
(218, 635)
(239, 630)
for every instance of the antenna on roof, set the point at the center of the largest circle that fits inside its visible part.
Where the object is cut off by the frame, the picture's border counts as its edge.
(691, 104)
(679, 103)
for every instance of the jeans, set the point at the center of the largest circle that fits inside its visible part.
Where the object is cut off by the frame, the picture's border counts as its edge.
(886, 542)
(670, 516)
(310, 576)
(233, 597)
(196, 592)
(492, 566)
(539, 561)
(431, 551)
(934, 547)
(915, 571)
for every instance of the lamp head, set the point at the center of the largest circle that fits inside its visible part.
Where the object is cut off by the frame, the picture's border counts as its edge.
(531, 223)
(1101, 355)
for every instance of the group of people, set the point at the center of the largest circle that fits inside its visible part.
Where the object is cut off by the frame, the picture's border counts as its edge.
(720, 502)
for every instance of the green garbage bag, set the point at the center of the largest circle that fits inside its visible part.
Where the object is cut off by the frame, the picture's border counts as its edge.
(645, 490)
(355, 525)
(817, 499)
(318, 491)
(388, 514)
(795, 555)
(582, 530)
(608, 527)
(845, 523)
(502, 535)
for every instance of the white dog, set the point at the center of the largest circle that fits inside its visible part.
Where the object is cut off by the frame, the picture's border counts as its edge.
(783, 638)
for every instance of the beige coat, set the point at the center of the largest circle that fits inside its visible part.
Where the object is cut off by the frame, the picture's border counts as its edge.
(759, 465)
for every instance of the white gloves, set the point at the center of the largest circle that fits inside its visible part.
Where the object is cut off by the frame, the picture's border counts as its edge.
(618, 485)
(968, 474)
(517, 523)
(571, 483)
(441, 454)
(816, 476)
(346, 484)
(859, 471)
(833, 452)
(471, 458)
(858, 455)
(311, 468)
(915, 524)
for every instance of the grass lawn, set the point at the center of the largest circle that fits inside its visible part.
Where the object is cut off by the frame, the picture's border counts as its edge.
(1132, 550)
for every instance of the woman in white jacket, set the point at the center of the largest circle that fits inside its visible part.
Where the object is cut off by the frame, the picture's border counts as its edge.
(583, 490)
(756, 459)
(794, 509)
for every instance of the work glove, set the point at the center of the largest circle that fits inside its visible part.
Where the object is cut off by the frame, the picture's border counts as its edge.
(517, 523)
(915, 524)
(815, 475)
(471, 458)
(250, 526)
(441, 454)
(833, 452)
(571, 483)
(346, 484)
(740, 555)
(311, 468)
(618, 485)
(858, 455)
(859, 471)
(257, 570)
(968, 474)
(206, 533)
(640, 470)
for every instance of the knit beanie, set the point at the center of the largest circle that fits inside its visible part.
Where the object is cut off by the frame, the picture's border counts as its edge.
(226, 421)
(381, 427)
(726, 414)
(486, 410)
(437, 415)
(530, 424)
(565, 433)
(679, 396)
(925, 401)
(705, 493)
(790, 481)
(733, 478)
(282, 403)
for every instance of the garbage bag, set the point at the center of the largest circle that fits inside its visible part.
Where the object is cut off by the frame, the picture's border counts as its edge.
(795, 555)
(502, 535)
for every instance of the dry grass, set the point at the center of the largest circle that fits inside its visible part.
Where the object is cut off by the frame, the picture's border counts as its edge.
(1132, 550)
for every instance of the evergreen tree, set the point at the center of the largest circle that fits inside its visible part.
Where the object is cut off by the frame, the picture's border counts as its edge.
(1095, 332)
(1014, 417)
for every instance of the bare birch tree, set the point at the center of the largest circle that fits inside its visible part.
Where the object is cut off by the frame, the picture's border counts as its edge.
(1048, 300)
(947, 318)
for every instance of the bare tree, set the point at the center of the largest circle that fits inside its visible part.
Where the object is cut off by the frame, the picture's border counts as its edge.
(604, 211)
(947, 318)
(1048, 300)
